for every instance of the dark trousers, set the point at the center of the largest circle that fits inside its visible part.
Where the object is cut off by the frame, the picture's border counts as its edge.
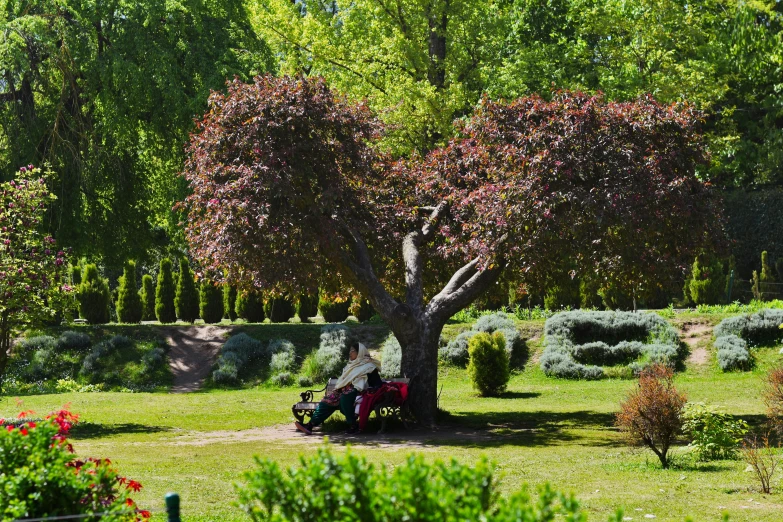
(323, 411)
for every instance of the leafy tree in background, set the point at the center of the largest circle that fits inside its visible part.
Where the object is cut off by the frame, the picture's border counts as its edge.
(106, 93)
(147, 295)
(164, 293)
(610, 185)
(129, 305)
(32, 276)
(186, 299)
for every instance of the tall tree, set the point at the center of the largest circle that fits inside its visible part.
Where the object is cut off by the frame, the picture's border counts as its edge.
(130, 308)
(282, 170)
(106, 92)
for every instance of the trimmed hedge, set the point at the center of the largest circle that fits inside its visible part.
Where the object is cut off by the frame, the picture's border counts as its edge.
(250, 306)
(332, 353)
(579, 343)
(164, 293)
(306, 307)
(93, 296)
(186, 300)
(230, 302)
(734, 334)
(147, 295)
(210, 302)
(279, 309)
(488, 367)
(333, 311)
(456, 351)
(130, 309)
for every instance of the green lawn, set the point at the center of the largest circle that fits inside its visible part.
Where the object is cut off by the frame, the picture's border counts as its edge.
(542, 430)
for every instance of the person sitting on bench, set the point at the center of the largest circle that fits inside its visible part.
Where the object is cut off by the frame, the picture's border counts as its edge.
(359, 374)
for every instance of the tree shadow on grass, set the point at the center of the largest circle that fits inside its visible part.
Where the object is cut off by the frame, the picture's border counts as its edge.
(90, 430)
(518, 395)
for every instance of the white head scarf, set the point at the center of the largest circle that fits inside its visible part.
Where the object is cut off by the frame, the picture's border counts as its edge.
(358, 368)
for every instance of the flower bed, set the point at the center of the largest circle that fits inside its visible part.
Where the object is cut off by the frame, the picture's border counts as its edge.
(580, 344)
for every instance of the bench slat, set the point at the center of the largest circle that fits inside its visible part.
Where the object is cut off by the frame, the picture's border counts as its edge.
(305, 406)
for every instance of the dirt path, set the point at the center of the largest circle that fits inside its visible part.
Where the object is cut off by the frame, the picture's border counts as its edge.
(695, 336)
(193, 351)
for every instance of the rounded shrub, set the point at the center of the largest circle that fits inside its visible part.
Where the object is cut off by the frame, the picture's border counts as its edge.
(332, 352)
(332, 309)
(282, 379)
(361, 309)
(488, 367)
(129, 306)
(186, 300)
(164, 293)
(229, 302)
(236, 352)
(210, 302)
(456, 351)
(93, 296)
(147, 296)
(733, 353)
(391, 358)
(306, 307)
(73, 341)
(707, 284)
(304, 381)
(279, 309)
(250, 306)
(282, 362)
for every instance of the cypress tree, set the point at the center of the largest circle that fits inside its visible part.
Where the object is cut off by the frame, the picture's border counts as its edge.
(186, 300)
(306, 307)
(210, 302)
(147, 296)
(766, 278)
(76, 275)
(280, 309)
(164, 293)
(229, 302)
(250, 306)
(129, 308)
(93, 296)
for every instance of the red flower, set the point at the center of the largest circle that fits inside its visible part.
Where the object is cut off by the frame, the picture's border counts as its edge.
(134, 486)
(24, 414)
(23, 430)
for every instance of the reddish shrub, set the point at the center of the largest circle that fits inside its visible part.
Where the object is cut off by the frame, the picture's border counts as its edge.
(773, 398)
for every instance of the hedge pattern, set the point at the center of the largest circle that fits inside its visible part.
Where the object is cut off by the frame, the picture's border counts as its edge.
(578, 344)
(734, 335)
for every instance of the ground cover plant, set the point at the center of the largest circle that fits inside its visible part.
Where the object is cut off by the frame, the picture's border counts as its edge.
(734, 336)
(579, 345)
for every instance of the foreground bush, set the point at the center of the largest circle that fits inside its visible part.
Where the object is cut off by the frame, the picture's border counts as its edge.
(652, 413)
(346, 488)
(488, 367)
(93, 296)
(41, 477)
(164, 294)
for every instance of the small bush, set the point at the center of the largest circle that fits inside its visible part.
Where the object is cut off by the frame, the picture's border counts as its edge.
(391, 358)
(763, 458)
(279, 309)
(186, 300)
(332, 309)
(652, 413)
(282, 362)
(346, 488)
(164, 294)
(236, 352)
(733, 353)
(488, 366)
(304, 381)
(361, 309)
(210, 302)
(773, 399)
(95, 365)
(43, 360)
(707, 284)
(714, 434)
(561, 364)
(456, 351)
(230, 302)
(76, 341)
(306, 307)
(332, 352)
(759, 329)
(282, 379)
(129, 306)
(93, 296)
(147, 296)
(250, 306)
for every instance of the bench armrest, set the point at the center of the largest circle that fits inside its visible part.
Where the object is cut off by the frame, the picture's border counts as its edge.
(307, 396)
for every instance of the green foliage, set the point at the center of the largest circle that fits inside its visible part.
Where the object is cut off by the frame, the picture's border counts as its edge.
(40, 476)
(147, 295)
(130, 308)
(230, 302)
(164, 293)
(456, 351)
(186, 301)
(76, 275)
(332, 353)
(391, 358)
(93, 296)
(714, 435)
(361, 309)
(734, 334)
(347, 488)
(733, 353)
(306, 307)
(707, 284)
(333, 309)
(279, 308)
(250, 306)
(766, 279)
(210, 302)
(753, 219)
(237, 351)
(488, 366)
(738, 308)
(282, 362)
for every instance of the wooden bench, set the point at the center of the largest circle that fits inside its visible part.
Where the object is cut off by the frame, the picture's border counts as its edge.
(384, 408)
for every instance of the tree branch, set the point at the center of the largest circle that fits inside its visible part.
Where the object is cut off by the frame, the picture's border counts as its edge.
(411, 255)
(444, 306)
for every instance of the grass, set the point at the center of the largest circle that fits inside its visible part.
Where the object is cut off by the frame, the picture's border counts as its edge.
(541, 430)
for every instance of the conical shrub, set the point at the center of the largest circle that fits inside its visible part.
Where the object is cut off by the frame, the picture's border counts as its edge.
(210, 302)
(250, 306)
(279, 309)
(147, 296)
(129, 309)
(230, 302)
(93, 296)
(306, 307)
(164, 293)
(186, 300)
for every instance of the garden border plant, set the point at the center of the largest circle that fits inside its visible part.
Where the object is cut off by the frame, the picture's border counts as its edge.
(578, 344)
(734, 336)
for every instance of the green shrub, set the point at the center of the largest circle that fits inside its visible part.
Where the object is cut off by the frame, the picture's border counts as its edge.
(147, 296)
(164, 294)
(714, 435)
(40, 476)
(754, 219)
(76, 341)
(456, 351)
(563, 294)
(333, 309)
(346, 488)
(282, 362)
(93, 296)
(733, 353)
(75, 275)
(766, 279)
(361, 309)
(186, 300)
(306, 307)
(304, 381)
(577, 343)
(42, 356)
(332, 353)
(229, 302)
(96, 367)
(282, 379)
(210, 302)
(129, 306)
(707, 284)
(391, 358)
(236, 352)
(279, 309)
(250, 306)
(761, 328)
(488, 366)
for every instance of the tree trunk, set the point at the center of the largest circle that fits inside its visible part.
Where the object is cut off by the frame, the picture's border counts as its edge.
(420, 365)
